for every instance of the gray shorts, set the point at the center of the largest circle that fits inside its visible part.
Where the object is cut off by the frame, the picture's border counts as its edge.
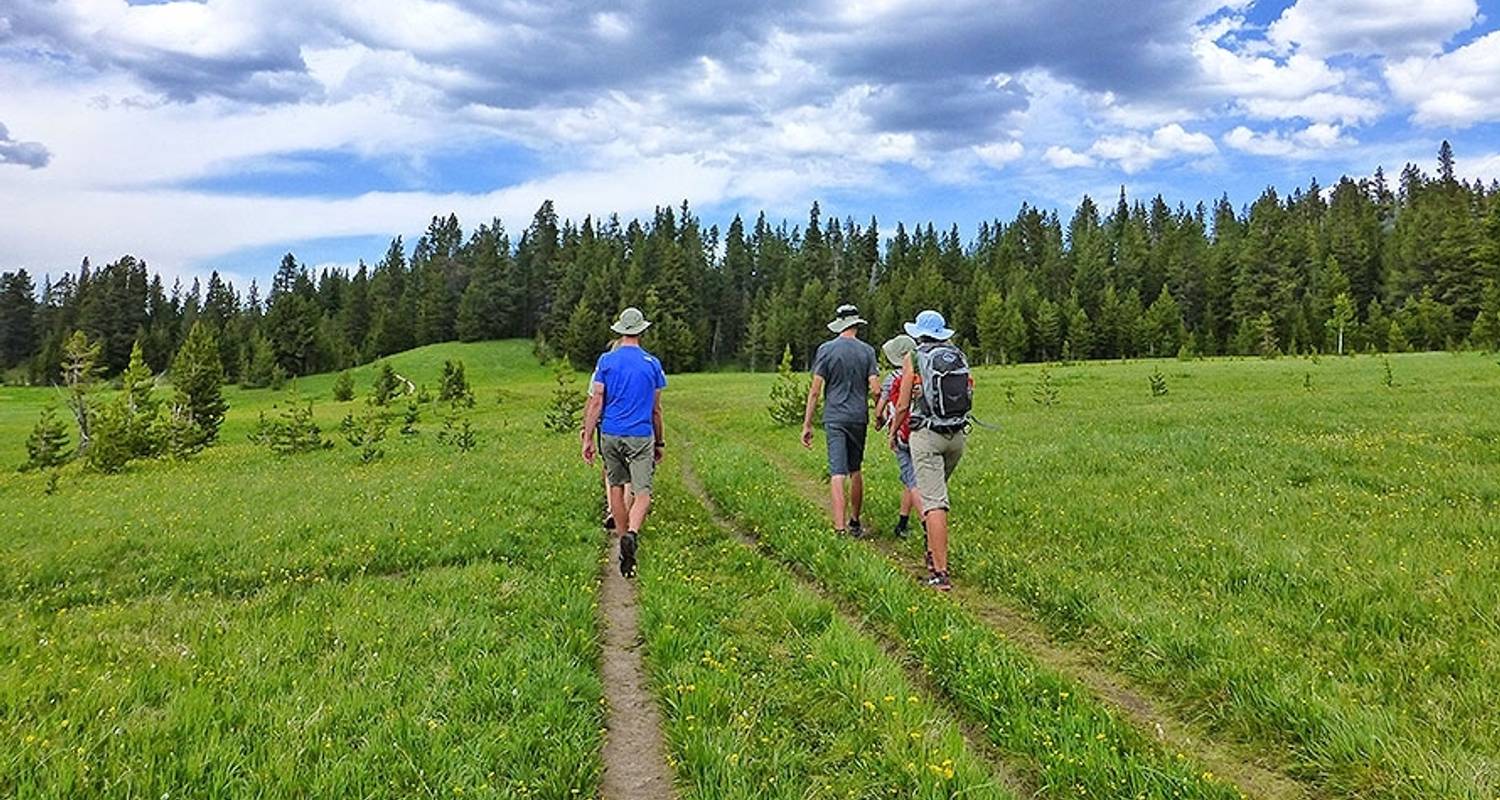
(846, 447)
(904, 465)
(935, 455)
(629, 459)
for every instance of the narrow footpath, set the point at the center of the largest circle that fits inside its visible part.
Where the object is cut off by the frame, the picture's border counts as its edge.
(635, 764)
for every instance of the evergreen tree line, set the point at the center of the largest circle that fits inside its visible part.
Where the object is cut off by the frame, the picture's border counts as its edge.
(1363, 266)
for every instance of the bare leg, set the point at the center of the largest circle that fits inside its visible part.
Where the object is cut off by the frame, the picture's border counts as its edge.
(836, 488)
(617, 508)
(905, 502)
(639, 506)
(608, 508)
(914, 500)
(937, 537)
(856, 494)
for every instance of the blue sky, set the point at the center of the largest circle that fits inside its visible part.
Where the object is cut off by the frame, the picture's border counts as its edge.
(220, 134)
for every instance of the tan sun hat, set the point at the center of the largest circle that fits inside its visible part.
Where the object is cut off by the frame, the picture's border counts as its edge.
(631, 322)
(846, 317)
(897, 347)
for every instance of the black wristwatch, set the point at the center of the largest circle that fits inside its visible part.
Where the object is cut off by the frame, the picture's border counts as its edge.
(660, 443)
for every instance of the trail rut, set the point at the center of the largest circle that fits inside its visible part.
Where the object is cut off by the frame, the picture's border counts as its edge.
(635, 765)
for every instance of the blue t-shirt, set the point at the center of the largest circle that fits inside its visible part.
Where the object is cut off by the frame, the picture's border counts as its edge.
(631, 377)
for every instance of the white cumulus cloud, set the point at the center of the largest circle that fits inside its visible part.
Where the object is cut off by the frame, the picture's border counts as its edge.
(1309, 142)
(1067, 158)
(1134, 152)
(1390, 28)
(998, 154)
(1459, 88)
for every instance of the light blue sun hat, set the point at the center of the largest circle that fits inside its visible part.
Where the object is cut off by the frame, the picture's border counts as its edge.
(929, 324)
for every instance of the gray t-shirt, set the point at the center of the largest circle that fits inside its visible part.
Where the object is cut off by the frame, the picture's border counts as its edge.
(845, 364)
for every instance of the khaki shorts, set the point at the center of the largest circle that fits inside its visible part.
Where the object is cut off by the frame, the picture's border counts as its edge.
(934, 456)
(629, 459)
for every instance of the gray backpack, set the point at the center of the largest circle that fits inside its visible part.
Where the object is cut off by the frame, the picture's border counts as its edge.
(947, 393)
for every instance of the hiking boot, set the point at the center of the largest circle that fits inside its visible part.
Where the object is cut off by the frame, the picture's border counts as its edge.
(609, 522)
(840, 532)
(855, 529)
(903, 525)
(940, 582)
(627, 554)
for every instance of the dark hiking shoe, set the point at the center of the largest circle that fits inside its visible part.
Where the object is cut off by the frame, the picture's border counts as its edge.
(903, 525)
(609, 522)
(856, 530)
(627, 554)
(940, 582)
(840, 532)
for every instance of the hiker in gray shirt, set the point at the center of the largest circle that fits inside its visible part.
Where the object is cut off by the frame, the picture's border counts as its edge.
(846, 374)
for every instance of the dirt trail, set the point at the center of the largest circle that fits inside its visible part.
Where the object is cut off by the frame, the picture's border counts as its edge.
(1253, 775)
(635, 765)
(974, 736)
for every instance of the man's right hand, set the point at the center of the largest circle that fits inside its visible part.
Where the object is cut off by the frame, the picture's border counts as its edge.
(588, 450)
(807, 436)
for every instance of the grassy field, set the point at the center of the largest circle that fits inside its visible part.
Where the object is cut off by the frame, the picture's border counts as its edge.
(243, 624)
(1292, 556)
(1309, 570)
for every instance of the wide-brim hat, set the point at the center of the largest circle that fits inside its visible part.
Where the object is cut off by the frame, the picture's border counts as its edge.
(631, 322)
(930, 324)
(897, 347)
(846, 317)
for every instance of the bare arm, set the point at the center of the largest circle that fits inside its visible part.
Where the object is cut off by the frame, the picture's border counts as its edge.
(903, 394)
(881, 406)
(813, 392)
(591, 414)
(656, 424)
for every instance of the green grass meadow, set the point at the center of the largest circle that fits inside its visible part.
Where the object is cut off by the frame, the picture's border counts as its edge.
(1291, 556)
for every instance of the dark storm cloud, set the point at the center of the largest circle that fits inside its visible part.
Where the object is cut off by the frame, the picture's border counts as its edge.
(1135, 48)
(930, 69)
(949, 111)
(271, 71)
(25, 154)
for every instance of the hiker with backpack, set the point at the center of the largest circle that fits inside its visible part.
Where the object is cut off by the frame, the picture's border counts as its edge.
(626, 407)
(846, 374)
(896, 351)
(936, 397)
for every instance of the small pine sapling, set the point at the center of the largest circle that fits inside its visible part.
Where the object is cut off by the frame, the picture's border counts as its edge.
(1389, 378)
(458, 433)
(565, 412)
(454, 387)
(788, 394)
(1158, 383)
(343, 387)
(293, 431)
(1045, 392)
(412, 417)
(366, 433)
(47, 446)
(385, 386)
(180, 435)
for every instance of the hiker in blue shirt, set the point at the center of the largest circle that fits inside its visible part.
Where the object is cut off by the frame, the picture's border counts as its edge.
(626, 408)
